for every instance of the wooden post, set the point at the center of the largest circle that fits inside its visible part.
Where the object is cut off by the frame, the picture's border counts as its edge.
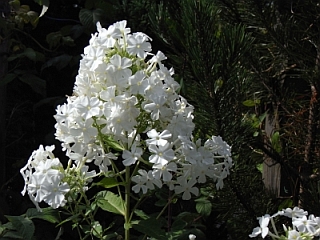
(271, 170)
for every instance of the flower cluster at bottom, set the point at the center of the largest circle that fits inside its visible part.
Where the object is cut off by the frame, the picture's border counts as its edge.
(303, 227)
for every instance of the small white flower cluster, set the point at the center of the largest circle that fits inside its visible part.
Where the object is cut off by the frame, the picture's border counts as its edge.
(43, 174)
(304, 227)
(126, 100)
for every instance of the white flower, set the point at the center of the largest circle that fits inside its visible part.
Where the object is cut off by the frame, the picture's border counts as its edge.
(158, 139)
(161, 154)
(88, 107)
(93, 56)
(294, 235)
(164, 171)
(145, 181)
(157, 106)
(130, 157)
(55, 191)
(158, 58)
(186, 187)
(138, 83)
(295, 212)
(303, 224)
(217, 145)
(192, 237)
(35, 189)
(85, 130)
(138, 45)
(263, 228)
(107, 37)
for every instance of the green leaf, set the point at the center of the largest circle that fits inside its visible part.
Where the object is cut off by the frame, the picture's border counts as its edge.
(68, 41)
(89, 18)
(47, 214)
(249, 103)
(111, 143)
(8, 78)
(151, 228)
(11, 235)
(42, 2)
(141, 214)
(275, 141)
(37, 84)
(178, 224)
(24, 226)
(73, 218)
(111, 202)
(260, 167)
(107, 182)
(30, 53)
(86, 229)
(54, 39)
(9, 226)
(217, 85)
(59, 62)
(98, 229)
(287, 203)
(203, 206)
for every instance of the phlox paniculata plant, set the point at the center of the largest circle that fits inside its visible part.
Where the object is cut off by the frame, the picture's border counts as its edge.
(126, 118)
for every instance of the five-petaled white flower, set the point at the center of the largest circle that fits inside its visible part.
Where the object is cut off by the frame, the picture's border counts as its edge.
(263, 228)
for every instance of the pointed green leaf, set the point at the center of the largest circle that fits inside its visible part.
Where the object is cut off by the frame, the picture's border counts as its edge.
(107, 182)
(37, 84)
(151, 228)
(259, 167)
(74, 218)
(111, 202)
(111, 143)
(287, 203)
(24, 226)
(59, 62)
(11, 235)
(8, 78)
(249, 103)
(47, 214)
(141, 214)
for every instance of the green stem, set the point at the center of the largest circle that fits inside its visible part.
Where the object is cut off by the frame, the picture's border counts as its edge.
(164, 208)
(127, 204)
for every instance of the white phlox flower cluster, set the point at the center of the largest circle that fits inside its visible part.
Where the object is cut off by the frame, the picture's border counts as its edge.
(43, 174)
(126, 106)
(303, 227)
